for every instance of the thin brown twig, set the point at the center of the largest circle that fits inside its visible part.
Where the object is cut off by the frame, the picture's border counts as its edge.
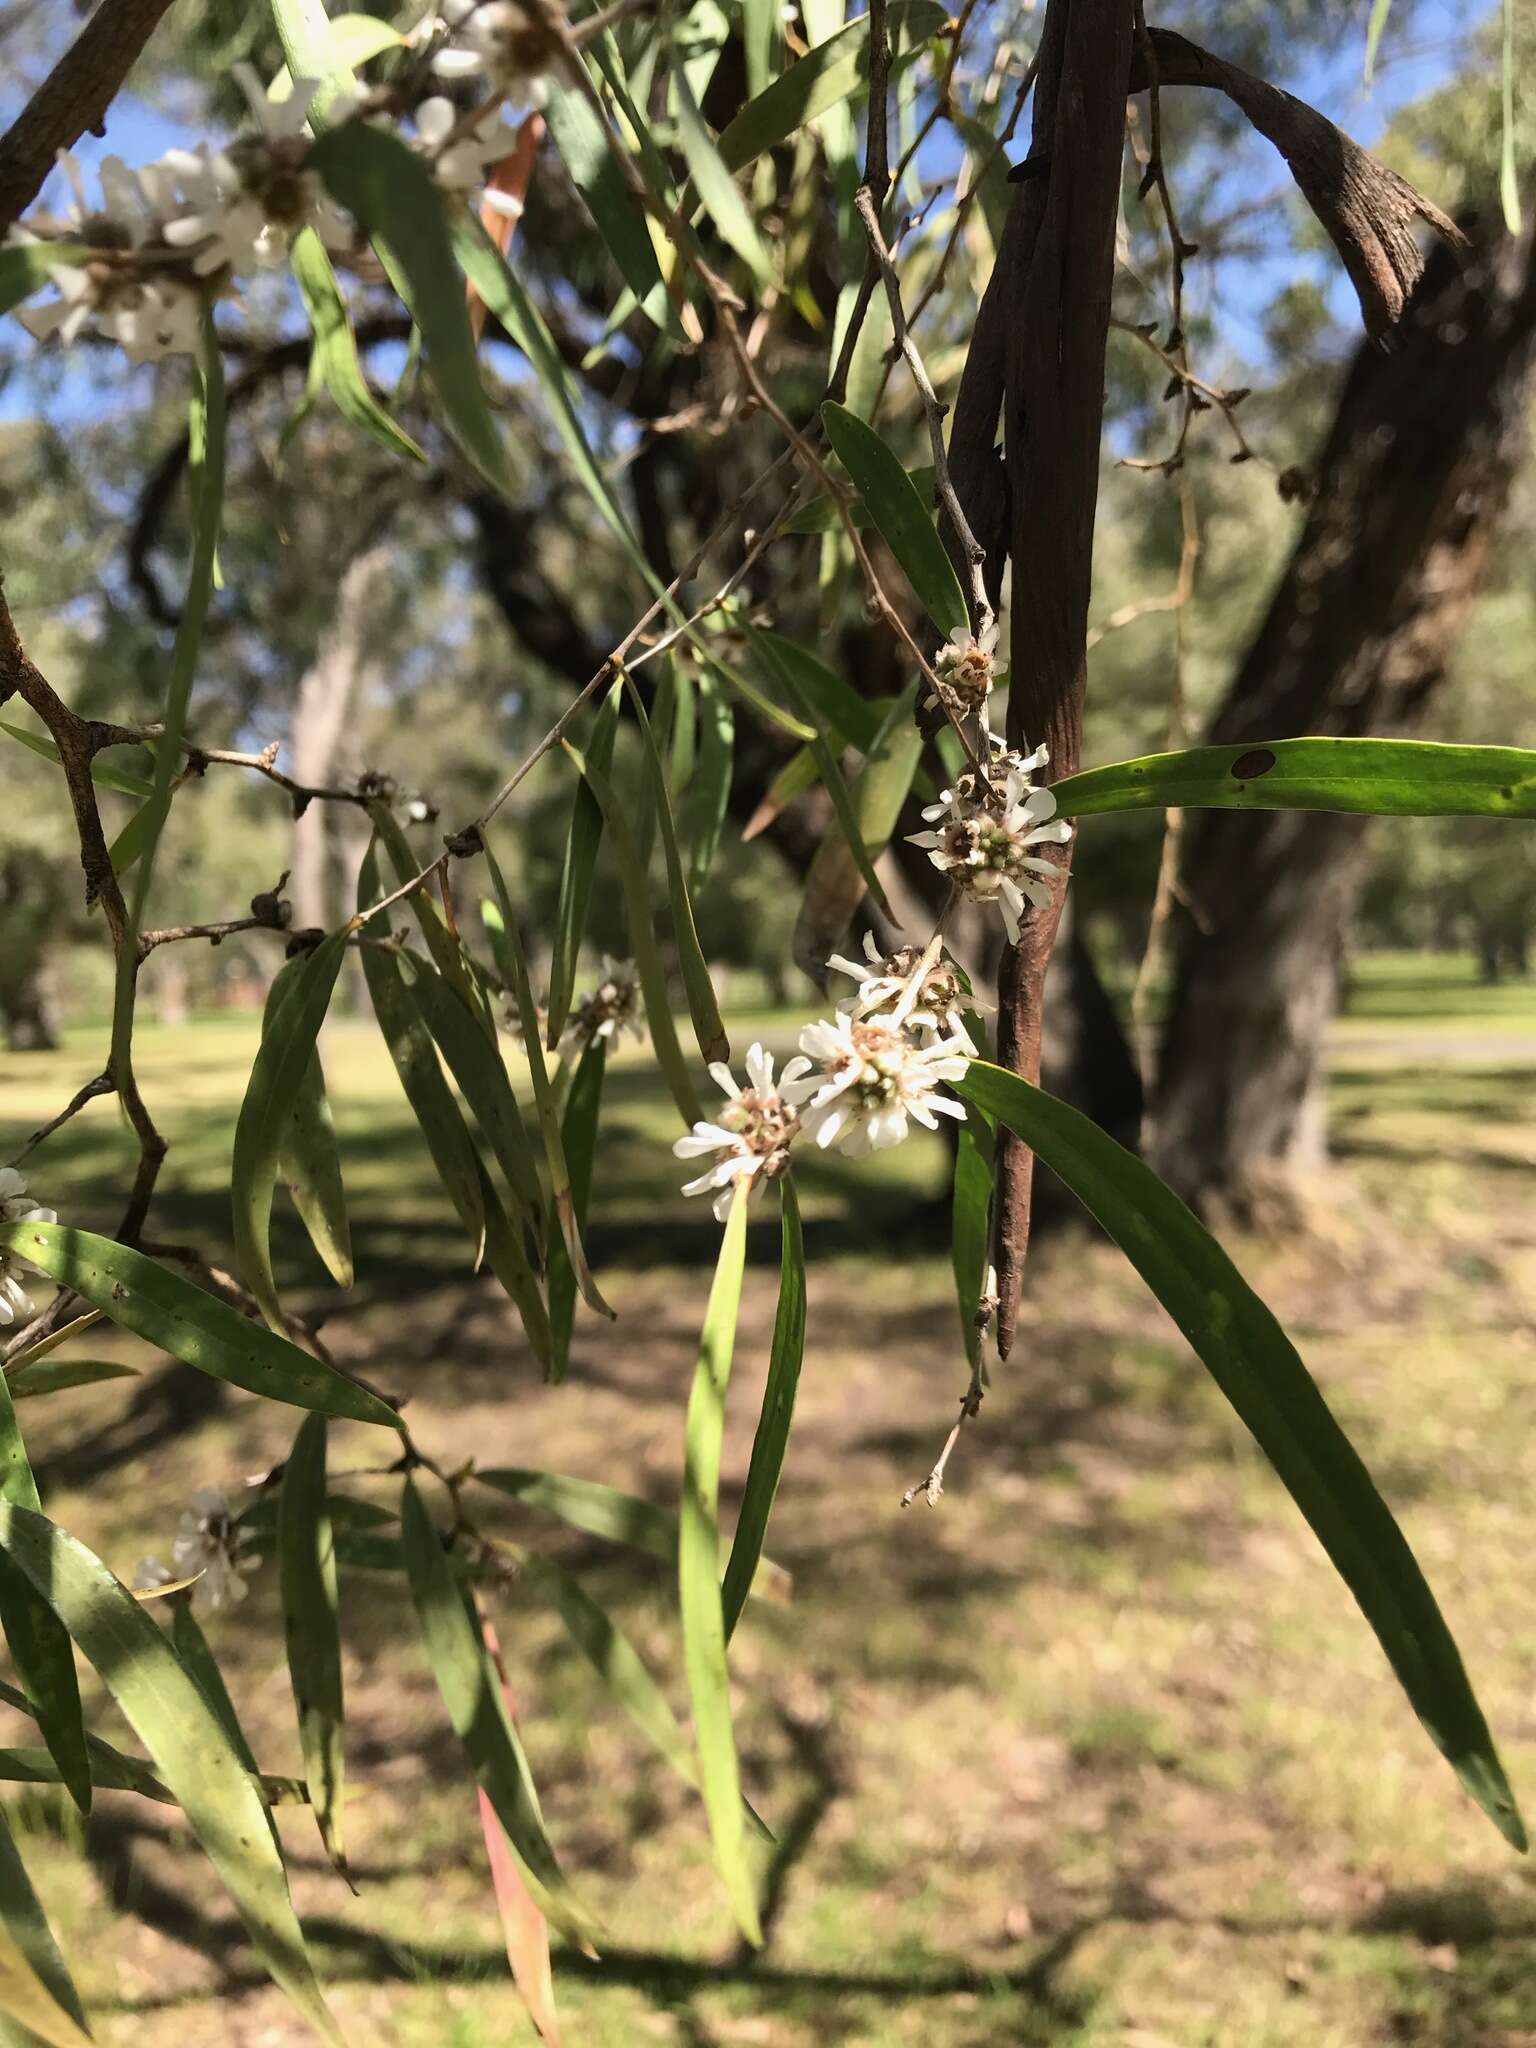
(98, 1085)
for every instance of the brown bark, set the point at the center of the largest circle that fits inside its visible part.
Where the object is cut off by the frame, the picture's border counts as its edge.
(1410, 490)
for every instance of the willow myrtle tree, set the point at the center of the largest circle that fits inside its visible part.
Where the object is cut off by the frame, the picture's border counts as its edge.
(372, 148)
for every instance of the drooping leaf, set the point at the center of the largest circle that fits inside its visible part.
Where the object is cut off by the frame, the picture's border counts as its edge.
(508, 1259)
(315, 50)
(38, 1641)
(905, 522)
(762, 41)
(354, 39)
(1398, 778)
(773, 1426)
(829, 72)
(173, 1315)
(58, 1375)
(442, 942)
(698, 1568)
(523, 1926)
(589, 157)
(200, 1664)
(335, 348)
(703, 1005)
(854, 720)
(501, 923)
(836, 882)
(820, 514)
(475, 1707)
(1380, 9)
(588, 1505)
(102, 772)
(970, 1224)
(307, 1561)
(191, 1750)
(1509, 183)
(289, 1031)
(579, 1136)
(715, 183)
(36, 1989)
(583, 837)
(393, 194)
(701, 819)
(1257, 1368)
(308, 1161)
(642, 935)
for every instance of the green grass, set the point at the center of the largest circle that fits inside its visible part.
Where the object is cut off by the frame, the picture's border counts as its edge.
(1095, 1752)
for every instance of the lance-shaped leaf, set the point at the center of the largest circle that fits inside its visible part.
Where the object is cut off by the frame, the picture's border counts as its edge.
(39, 1644)
(478, 1712)
(191, 1750)
(444, 944)
(905, 522)
(702, 817)
(410, 1047)
(778, 1412)
(1398, 778)
(307, 1563)
(698, 1569)
(200, 1664)
(501, 923)
(1509, 183)
(579, 1136)
(524, 1928)
(36, 1989)
(58, 1375)
(314, 49)
(353, 39)
(394, 195)
(714, 182)
(308, 1161)
(583, 837)
(102, 772)
(831, 698)
(173, 1315)
(288, 1037)
(829, 72)
(820, 514)
(708, 1028)
(1257, 1368)
(336, 363)
(971, 1224)
(590, 158)
(588, 1505)
(642, 933)
(477, 1065)
(836, 881)
(507, 1259)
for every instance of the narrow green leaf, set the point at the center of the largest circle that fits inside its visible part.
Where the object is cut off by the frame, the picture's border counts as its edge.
(702, 817)
(1257, 1368)
(698, 1569)
(25, 267)
(173, 1315)
(354, 39)
(309, 1163)
(501, 923)
(289, 1031)
(800, 772)
(971, 1225)
(831, 698)
(642, 934)
(589, 157)
(1380, 9)
(314, 50)
(820, 514)
(475, 1707)
(336, 347)
(579, 1136)
(1509, 183)
(583, 837)
(393, 194)
(1401, 778)
(831, 71)
(762, 37)
(773, 1425)
(703, 1006)
(714, 182)
(442, 943)
(307, 1563)
(679, 756)
(38, 1641)
(58, 1375)
(136, 837)
(905, 522)
(767, 706)
(198, 1660)
(478, 1067)
(192, 1752)
(102, 773)
(588, 1505)
(836, 882)
(36, 1989)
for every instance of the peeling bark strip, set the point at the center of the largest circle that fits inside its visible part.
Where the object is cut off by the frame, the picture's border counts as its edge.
(1053, 418)
(1369, 212)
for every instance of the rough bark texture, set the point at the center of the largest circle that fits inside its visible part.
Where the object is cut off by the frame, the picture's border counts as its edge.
(1410, 489)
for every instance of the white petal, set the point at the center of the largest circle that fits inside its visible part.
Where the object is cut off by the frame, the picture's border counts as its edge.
(507, 204)
(434, 119)
(759, 1068)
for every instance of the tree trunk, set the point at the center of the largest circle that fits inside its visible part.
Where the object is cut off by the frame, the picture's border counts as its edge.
(26, 1009)
(321, 710)
(1410, 490)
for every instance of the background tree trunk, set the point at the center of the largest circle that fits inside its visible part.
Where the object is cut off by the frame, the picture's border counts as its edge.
(320, 713)
(1409, 493)
(25, 1007)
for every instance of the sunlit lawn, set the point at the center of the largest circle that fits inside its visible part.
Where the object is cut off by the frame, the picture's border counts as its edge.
(1096, 1752)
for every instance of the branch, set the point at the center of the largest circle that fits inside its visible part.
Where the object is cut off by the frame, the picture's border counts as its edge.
(73, 97)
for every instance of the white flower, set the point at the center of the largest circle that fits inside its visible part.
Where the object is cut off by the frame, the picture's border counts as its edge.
(985, 831)
(752, 1137)
(461, 165)
(608, 1010)
(966, 669)
(884, 979)
(16, 1207)
(208, 1544)
(874, 1075)
(494, 39)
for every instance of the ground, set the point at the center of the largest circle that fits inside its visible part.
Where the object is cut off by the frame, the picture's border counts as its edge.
(1096, 1751)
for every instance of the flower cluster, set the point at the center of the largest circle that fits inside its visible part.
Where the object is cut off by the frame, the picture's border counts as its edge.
(984, 829)
(209, 1548)
(492, 40)
(607, 1011)
(858, 1081)
(966, 669)
(16, 1206)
